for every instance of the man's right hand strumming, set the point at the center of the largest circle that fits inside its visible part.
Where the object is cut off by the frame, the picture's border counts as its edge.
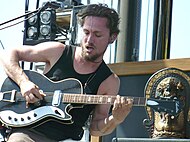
(31, 92)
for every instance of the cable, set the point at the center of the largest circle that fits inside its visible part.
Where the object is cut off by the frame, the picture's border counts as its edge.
(19, 18)
(47, 4)
(2, 44)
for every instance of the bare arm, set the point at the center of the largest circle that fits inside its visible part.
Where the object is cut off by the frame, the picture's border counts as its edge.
(103, 123)
(47, 52)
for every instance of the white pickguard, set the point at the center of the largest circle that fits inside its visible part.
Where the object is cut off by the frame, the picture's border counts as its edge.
(11, 118)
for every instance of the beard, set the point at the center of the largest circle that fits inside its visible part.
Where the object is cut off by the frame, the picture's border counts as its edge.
(87, 57)
(95, 58)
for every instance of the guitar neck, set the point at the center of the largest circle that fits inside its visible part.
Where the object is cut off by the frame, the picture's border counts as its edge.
(76, 98)
(99, 99)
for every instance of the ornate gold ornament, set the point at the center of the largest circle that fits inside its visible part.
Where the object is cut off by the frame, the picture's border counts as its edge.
(169, 115)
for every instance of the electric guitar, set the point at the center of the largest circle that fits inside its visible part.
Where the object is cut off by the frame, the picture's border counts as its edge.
(56, 104)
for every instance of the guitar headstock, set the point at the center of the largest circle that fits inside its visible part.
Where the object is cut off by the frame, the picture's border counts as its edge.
(172, 106)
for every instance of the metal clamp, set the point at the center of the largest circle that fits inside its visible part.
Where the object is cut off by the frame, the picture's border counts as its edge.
(4, 96)
(56, 98)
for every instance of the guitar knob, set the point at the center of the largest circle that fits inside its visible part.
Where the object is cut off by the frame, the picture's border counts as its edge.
(28, 118)
(22, 119)
(57, 112)
(15, 119)
(35, 115)
(9, 118)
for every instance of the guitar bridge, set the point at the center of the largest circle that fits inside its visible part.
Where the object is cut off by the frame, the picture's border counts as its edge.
(8, 96)
(56, 98)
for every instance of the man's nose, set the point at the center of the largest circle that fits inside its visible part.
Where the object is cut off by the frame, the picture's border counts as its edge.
(90, 38)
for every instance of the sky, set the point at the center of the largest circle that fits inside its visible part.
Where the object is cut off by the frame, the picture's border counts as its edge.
(179, 34)
(13, 36)
(180, 45)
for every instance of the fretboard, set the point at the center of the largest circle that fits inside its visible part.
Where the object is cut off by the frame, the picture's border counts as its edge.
(83, 98)
(99, 99)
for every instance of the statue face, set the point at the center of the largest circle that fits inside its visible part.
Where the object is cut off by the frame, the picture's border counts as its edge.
(171, 84)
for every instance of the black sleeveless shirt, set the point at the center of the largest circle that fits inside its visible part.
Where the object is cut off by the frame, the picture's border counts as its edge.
(63, 69)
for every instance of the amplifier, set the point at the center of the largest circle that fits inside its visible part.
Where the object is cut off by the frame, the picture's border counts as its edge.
(148, 140)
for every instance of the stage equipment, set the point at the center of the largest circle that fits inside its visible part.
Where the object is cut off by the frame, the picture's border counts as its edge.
(147, 140)
(53, 21)
(169, 83)
(40, 27)
(56, 21)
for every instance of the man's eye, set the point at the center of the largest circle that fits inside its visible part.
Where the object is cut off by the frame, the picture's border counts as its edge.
(86, 33)
(98, 35)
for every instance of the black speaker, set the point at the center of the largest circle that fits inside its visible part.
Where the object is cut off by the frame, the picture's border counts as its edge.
(148, 140)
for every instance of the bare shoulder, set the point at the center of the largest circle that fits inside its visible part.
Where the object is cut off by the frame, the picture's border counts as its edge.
(51, 45)
(110, 86)
(42, 49)
(50, 50)
(113, 79)
(47, 52)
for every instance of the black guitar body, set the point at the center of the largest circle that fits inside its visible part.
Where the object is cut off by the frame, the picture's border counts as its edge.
(53, 124)
(60, 121)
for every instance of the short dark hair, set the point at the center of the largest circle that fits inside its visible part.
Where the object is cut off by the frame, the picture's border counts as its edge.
(101, 10)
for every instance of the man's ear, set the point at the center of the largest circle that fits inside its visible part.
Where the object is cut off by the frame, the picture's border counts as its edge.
(113, 38)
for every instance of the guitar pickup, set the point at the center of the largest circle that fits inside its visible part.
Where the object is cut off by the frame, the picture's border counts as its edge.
(56, 98)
